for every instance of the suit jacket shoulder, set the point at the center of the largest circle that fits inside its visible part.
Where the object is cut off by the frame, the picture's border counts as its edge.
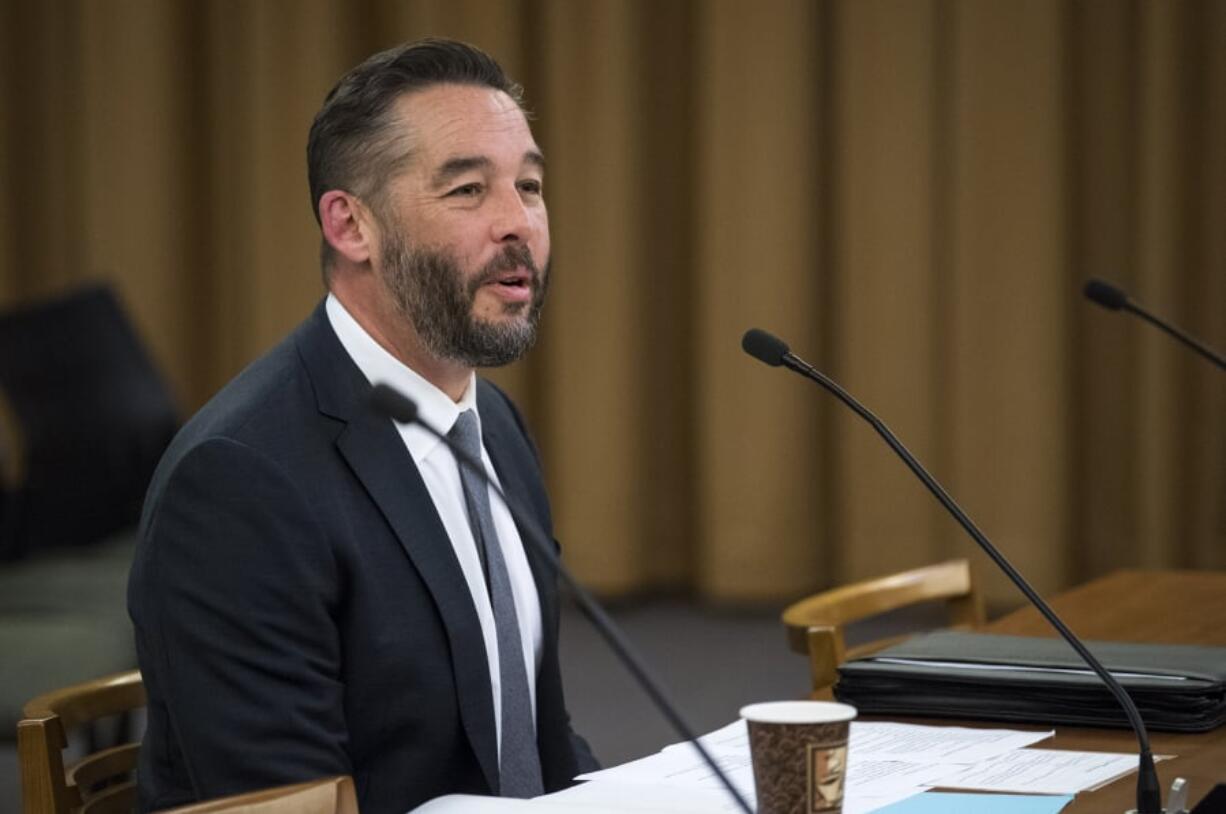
(298, 606)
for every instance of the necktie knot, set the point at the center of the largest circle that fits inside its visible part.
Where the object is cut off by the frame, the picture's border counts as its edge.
(465, 435)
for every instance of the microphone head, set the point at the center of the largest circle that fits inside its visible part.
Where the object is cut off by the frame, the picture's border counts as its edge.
(392, 403)
(1106, 295)
(764, 346)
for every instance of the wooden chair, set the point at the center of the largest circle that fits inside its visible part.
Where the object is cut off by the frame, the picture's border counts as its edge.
(816, 625)
(329, 795)
(99, 783)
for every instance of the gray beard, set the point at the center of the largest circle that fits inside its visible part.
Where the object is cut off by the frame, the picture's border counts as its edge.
(429, 290)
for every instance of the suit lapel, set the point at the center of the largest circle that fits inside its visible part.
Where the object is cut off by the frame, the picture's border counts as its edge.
(376, 453)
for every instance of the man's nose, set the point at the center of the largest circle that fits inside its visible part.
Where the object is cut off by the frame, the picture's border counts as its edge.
(512, 222)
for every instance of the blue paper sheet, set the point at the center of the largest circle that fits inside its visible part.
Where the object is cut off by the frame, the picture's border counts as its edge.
(936, 802)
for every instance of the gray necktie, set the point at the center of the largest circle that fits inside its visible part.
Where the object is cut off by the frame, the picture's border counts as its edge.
(520, 769)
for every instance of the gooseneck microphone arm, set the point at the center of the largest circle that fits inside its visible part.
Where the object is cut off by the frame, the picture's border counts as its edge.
(1113, 299)
(392, 403)
(773, 351)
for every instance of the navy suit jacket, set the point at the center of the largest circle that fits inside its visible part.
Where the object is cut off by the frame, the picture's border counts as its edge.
(299, 608)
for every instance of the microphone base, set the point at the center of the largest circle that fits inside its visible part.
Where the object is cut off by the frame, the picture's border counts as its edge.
(1177, 801)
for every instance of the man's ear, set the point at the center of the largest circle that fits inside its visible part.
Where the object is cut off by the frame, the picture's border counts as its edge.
(347, 225)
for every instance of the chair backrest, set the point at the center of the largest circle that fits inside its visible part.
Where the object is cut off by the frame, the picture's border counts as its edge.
(100, 782)
(329, 795)
(816, 625)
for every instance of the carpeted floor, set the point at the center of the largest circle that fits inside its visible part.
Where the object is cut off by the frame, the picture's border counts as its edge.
(711, 662)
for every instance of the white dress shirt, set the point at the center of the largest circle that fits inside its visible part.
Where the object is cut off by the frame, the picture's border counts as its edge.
(442, 477)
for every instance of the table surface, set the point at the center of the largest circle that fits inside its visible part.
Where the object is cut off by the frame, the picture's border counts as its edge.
(1175, 607)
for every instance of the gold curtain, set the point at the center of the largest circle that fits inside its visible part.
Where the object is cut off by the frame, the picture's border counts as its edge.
(911, 192)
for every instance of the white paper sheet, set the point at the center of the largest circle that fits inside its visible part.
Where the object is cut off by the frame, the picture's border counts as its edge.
(644, 797)
(887, 762)
(681, 767)
(936, 744)
(867, 776)
(472, 804)
(1043, 771)
(880, 740)
(647, 798)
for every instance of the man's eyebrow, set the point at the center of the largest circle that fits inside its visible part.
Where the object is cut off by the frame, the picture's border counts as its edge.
(466, 163)
(458, 166)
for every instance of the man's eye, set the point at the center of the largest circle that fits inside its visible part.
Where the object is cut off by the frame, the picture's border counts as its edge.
(466, 191)
(531, 187)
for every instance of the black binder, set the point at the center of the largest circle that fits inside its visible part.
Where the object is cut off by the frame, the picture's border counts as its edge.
(1177, 688)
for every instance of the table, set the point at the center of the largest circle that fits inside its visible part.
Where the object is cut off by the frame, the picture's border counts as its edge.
(1180, 607)
(1175, 607)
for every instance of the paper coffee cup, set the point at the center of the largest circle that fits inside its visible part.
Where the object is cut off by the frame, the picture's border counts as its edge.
(799, 751)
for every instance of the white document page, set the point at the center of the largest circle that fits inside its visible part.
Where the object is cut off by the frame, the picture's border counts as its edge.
(474, 804)
(866, 776)
(1044, 771)
(686, 768)
(910, 743)
(681, 767)
(642, 798)
(886, 762)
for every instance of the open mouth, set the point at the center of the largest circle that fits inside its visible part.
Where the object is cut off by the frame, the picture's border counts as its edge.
(514, 286)
(513, 279)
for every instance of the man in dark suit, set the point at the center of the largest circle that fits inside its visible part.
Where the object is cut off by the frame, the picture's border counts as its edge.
(319, 590)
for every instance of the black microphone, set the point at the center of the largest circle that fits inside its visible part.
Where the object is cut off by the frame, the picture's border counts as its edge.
(390, 402)
(774, 351)
(394, 404)
(1112, 298)
(764, 347)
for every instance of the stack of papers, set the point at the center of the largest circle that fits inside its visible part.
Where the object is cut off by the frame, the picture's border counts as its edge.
(888, 763)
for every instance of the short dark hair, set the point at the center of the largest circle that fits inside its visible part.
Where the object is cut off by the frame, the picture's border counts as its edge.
(351, 146)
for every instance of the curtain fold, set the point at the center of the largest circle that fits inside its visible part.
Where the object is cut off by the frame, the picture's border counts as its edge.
(910, 192)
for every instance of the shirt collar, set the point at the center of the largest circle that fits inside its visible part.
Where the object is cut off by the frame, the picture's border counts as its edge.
(379, 366)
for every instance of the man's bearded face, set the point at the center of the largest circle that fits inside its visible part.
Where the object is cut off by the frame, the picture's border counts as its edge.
(437, 297)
